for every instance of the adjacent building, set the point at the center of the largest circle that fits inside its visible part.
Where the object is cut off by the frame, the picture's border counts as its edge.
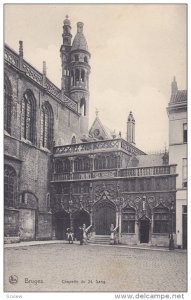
(177, 113)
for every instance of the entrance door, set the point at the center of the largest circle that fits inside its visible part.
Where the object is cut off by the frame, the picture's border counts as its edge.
(184, 227)
(62, 220)
(104, 216)
(144, 231)
(80, 218)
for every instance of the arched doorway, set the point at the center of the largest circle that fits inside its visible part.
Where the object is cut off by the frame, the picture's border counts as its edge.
(104, 216)
(62, 222)
(79, 218)
(144, 228)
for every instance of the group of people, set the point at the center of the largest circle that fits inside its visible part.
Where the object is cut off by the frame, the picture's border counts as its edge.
(82, 235)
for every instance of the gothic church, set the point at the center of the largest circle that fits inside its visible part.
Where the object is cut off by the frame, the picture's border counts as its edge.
(59, 174)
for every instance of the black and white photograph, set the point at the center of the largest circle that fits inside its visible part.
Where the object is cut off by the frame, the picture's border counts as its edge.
(95, 148)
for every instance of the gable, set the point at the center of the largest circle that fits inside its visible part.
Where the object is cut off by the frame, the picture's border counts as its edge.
(99, 131)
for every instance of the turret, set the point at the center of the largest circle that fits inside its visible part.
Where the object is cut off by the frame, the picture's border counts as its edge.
(131, 128)
(79, 76)
(65, 56)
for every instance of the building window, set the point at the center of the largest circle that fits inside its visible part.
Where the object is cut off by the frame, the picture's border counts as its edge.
(82, 164)
(66, 165)
(83, 107)
(58, 166)
(73, 141)
(28, 116)
(128, 220)
(7, 105)
(184, 172)
(77, 75)
(47, 123)
(10, 186)
(72, 78)
(83, 75)
(161, 220)
(85, 59)
(185, 133)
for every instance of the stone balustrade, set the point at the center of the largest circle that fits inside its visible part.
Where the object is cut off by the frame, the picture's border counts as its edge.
(95, 146)
(119, 173)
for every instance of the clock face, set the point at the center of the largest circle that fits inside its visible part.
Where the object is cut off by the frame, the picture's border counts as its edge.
(96, 132)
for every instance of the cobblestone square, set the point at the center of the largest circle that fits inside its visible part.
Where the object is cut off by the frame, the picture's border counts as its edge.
(64, 267)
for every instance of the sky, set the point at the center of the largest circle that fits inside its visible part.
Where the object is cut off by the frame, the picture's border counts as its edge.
(136, 49)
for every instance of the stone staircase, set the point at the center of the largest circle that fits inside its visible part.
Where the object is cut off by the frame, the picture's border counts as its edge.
(100, 239)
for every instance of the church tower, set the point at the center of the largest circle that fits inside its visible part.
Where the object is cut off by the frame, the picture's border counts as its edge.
(131, 128)
(65, 56)
(79, 77)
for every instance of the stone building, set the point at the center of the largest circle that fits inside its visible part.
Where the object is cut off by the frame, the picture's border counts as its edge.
(59, 174)
(37, 116)
(177, 113)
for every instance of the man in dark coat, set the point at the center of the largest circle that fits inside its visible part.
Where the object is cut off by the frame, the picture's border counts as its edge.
(81, 235)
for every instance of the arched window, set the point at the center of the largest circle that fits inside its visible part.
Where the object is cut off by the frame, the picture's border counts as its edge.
(7, 104)
(161, 219)
(78, 164)
(66, 165)
(77, 75)
(58, 166)
(10, 186)
(47, 123)
(83, 107)
(28, 116)
(128, 220)
(85, 59)
(83, 75)
(72, 78)
(73, 141)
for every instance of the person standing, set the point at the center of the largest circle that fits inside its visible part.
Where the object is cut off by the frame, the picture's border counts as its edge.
(81, 235)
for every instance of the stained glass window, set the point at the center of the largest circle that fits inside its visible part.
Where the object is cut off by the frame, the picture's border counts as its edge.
(7, 105)
(46, 126)
(28, 116)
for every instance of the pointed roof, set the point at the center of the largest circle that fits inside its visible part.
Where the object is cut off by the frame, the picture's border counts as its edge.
(79, 42)
(100, 131)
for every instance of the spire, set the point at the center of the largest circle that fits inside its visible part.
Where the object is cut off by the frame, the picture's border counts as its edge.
(97, 112)
(67, 21)
(80, 26)
(174, 87)
(131, 128)
(44, 68)
(79, 42)
(21, 48)
(67, 36)
(44, 74)
(21, 55)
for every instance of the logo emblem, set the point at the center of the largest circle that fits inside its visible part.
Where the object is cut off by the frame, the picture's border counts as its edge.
(13, 279)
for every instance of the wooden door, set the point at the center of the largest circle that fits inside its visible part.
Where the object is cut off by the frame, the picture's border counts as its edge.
(144, 231)
(104, 216)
